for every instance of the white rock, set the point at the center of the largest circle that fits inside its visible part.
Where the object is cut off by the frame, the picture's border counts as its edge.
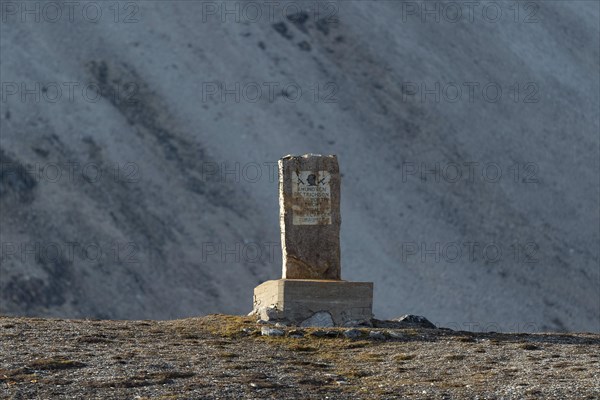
(395, 334)
(352, 333)
(321, 319)
(377, 335)
(266, 331)
(268, 313)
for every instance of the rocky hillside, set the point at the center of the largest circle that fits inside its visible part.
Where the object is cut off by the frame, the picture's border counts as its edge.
(222, 357)
(139, 139)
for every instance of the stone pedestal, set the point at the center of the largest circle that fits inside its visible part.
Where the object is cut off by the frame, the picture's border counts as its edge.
(296, 300)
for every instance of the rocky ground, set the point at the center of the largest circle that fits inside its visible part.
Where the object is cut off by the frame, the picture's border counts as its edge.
(221, 356)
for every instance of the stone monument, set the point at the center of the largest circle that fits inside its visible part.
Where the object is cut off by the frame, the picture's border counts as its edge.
(311, 285)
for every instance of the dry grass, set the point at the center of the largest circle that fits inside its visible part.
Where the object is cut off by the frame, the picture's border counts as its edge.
(404, 357)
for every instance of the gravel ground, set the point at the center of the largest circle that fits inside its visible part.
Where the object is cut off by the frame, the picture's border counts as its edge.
(220, 356)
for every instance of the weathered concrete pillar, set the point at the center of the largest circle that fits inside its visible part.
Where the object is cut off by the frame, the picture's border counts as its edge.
(309, 211)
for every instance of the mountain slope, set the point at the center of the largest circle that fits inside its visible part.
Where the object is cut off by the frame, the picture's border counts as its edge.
(184, 113)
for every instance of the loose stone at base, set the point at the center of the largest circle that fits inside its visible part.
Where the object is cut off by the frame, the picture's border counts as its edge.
(267, 331)
(321, 319)
(376, 335)
(395, 335)
(352, 333)
(416, 320)
(296, 333)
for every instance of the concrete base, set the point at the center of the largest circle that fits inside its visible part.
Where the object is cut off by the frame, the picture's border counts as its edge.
(296, 300)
